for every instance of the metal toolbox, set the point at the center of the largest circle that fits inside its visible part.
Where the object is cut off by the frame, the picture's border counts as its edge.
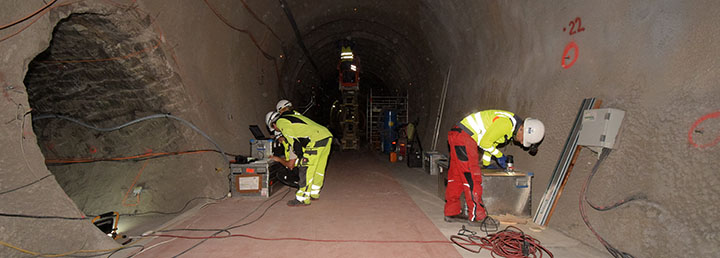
(430, 160)
(503, 192)
(253, 179)
(507, 192)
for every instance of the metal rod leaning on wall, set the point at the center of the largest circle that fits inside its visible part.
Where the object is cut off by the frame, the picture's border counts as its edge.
(563, 167)
(440, 110)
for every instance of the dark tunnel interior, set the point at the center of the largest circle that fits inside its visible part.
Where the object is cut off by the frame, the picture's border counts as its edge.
(393, 55)
(222, 65)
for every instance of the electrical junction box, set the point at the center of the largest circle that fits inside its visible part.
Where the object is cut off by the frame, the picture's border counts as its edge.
(599, 128)
(261, 149)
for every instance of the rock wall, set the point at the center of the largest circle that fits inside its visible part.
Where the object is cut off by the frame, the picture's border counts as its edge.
(106, 63)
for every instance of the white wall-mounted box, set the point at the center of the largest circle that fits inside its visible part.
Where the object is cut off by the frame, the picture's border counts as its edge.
(600, 127)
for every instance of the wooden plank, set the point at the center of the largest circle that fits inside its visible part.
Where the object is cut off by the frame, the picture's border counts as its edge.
(509, 219)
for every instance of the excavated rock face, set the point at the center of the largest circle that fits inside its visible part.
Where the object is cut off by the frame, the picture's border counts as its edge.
(104, 70)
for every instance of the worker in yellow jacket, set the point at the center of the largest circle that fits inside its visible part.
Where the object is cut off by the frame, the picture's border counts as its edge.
(486, 130)
(311, 142)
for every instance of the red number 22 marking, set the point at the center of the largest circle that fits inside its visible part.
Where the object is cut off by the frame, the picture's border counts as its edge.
(577, 22)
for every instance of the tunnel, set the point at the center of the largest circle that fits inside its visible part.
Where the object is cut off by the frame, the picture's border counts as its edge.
(137, 106)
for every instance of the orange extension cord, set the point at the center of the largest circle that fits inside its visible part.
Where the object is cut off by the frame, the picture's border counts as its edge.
(27, 16)
(39, 15)
(141, 156)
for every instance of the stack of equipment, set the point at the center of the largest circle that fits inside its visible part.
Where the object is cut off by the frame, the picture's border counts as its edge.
(261, 147)
(254, 179)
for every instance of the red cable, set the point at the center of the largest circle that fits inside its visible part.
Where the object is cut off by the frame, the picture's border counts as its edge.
(506, 243)
(252, 38)
(43, 12)
(27, 17)
(260, 20)
(310, 240)
(146, 155)
(148, 49)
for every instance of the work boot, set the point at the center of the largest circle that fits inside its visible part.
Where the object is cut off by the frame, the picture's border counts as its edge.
(456, 218)
(296, 203)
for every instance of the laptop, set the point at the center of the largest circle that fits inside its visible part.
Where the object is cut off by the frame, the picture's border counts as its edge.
(257, 133)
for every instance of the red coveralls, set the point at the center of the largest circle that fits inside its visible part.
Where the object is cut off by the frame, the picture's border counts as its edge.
(464, 175)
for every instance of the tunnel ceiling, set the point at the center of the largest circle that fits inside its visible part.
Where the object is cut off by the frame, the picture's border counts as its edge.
(389, 40)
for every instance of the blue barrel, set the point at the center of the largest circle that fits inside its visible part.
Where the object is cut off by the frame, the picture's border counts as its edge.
(388, 133)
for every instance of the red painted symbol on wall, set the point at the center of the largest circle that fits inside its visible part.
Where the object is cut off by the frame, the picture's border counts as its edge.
(92, 149)
(575, 26)
(695, 129)
(566, 56)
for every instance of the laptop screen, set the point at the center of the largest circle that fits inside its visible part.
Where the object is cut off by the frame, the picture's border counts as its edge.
(257, 133)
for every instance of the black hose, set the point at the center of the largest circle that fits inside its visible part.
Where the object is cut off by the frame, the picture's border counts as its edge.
(612, 250)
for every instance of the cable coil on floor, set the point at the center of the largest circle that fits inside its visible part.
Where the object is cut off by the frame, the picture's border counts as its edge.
(506, 243)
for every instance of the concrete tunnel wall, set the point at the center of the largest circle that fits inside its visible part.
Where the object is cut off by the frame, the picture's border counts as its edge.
(655, 60)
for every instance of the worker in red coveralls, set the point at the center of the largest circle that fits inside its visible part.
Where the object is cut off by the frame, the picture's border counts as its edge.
(485, 129)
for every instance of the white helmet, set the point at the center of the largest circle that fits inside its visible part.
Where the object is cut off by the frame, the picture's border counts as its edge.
(533, 131)
(283, 103)
(270, 118)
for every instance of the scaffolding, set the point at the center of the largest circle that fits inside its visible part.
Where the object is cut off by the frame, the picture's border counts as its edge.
(375, 107)
(349, 120)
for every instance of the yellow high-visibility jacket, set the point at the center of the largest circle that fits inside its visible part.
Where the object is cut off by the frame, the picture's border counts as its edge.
(301, 130)
(490, 128)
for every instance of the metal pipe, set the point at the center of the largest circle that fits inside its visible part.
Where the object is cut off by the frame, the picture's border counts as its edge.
(440, 110)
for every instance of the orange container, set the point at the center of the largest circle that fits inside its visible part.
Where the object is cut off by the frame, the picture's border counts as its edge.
(393, 156)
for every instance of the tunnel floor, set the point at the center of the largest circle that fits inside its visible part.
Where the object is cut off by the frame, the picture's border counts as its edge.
(364, 198)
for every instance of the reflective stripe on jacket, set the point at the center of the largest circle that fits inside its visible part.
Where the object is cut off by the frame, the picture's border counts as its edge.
(489, 128)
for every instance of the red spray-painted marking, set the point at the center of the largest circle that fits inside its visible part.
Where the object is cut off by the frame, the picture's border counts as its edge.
(696, 124)
(573, 29)
(92, 149)
(569, 46)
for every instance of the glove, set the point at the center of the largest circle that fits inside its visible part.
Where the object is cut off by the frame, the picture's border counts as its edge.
(502, 161)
